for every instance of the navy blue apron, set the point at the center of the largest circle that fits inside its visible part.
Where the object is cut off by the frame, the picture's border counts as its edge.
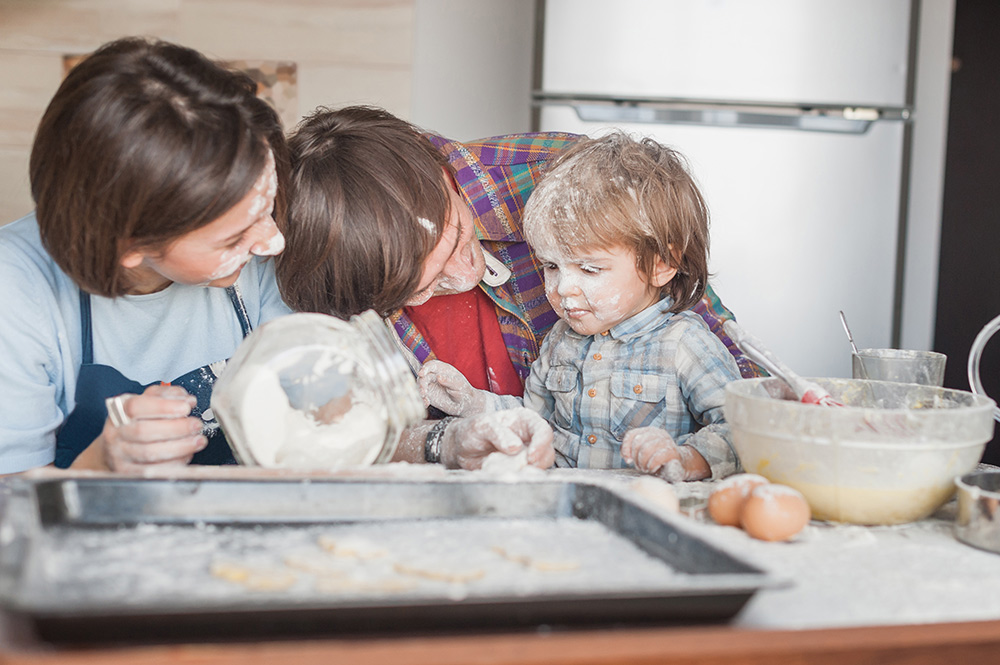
(96, 383)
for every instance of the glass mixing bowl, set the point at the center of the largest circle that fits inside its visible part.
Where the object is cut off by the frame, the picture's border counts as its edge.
(889, 456)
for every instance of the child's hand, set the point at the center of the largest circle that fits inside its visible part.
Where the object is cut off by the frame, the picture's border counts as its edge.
(469, 441)
(443, 386)
(652, 450)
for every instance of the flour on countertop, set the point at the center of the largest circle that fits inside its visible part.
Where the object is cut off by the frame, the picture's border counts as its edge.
(846, 575)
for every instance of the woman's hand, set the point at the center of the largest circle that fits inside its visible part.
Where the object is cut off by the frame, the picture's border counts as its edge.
(443, 386)
(469, 441)
(159, 432)
(652, 450)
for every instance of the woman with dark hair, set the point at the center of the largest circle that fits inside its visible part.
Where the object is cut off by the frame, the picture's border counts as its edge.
(158, 178)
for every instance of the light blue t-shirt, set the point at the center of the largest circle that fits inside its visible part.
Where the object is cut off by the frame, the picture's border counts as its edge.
(148, 338)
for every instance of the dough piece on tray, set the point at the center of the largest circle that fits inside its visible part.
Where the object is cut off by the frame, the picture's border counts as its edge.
(257, 579)
(541, 565)
(438, 575)
(314, 564)
(352, 547)
(351, 585)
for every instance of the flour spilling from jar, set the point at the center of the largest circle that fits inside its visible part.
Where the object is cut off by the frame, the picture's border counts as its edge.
(314, 392)
(318, 418)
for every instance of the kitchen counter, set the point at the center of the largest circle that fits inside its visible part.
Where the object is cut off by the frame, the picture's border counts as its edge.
(909, 594)
(900, 645)
(845, 575)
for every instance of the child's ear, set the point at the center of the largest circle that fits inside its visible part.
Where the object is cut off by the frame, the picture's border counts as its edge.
(662, 273)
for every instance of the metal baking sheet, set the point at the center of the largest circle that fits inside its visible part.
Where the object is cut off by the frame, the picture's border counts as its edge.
(106, 559)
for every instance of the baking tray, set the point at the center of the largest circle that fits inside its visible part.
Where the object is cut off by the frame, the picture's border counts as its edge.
(124, 560)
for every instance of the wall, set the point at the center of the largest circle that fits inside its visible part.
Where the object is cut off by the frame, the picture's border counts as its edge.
(346, 51)
(484, 90)
(404, 55)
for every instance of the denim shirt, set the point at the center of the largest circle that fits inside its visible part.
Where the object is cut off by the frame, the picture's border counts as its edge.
(657, 368)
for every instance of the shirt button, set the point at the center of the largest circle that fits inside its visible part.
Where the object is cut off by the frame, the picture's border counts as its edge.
(637, 389)
(591, 439)
(597, 356)
(604, 334)
(592, 392)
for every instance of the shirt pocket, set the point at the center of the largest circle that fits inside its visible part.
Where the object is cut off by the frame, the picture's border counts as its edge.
(562, 382)
(638, 399)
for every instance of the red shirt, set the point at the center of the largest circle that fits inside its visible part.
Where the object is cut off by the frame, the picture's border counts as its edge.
(462, 330)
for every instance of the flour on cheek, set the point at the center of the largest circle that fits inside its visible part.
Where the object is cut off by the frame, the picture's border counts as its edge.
(275, 241)
(231, 261)
(261, 207)
(266, 188)
(604, 302)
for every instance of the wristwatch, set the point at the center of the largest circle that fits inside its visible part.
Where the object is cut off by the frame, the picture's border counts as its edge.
(432, 445)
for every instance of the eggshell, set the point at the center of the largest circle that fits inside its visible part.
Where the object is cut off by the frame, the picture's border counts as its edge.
(726, 502)
(775, 512)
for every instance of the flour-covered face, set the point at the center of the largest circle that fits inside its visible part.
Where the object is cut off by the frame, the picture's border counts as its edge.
(595, 289)
(456, 264)
(214, 254)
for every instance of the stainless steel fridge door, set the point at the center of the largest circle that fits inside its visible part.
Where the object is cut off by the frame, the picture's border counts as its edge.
(851, 52)
(804, 224)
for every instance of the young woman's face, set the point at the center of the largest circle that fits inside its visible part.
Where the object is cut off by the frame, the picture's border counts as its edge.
(214, 254)
(596, 289)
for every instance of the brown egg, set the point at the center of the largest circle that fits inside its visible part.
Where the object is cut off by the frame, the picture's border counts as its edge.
(775, 512)
(726, 502)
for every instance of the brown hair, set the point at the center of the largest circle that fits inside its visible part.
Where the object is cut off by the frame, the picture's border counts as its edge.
(368, 206)
(143, 142)
(616, 190)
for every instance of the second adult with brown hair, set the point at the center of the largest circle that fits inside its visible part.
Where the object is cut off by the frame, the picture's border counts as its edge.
(427, 232)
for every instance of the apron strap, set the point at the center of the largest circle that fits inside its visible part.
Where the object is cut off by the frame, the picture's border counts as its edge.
(87, 336)
(240, 307)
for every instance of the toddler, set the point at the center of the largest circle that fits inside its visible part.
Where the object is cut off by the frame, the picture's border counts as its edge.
(628, 376)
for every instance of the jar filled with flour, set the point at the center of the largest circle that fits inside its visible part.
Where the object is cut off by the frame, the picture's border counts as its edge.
(310, 391)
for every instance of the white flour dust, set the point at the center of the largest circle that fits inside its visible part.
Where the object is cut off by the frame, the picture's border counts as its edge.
(348, 430)
(259, 212)
(206, 565)
(427, 224)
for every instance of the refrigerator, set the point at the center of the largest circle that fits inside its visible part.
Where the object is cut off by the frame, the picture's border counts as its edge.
(795, 118)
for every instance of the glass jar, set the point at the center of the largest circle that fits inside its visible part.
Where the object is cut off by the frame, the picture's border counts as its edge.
(311, 391)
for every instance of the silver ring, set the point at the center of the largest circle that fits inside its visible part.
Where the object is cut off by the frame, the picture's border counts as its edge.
(116, 410)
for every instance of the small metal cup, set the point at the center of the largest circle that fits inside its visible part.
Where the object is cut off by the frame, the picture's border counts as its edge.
(978, 520)
(899, 365)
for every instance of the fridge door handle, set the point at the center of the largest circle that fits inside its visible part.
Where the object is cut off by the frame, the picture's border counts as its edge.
(842, 120)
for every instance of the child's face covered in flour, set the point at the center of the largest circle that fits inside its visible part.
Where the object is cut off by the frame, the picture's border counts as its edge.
(595, 289)
(214, 254)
